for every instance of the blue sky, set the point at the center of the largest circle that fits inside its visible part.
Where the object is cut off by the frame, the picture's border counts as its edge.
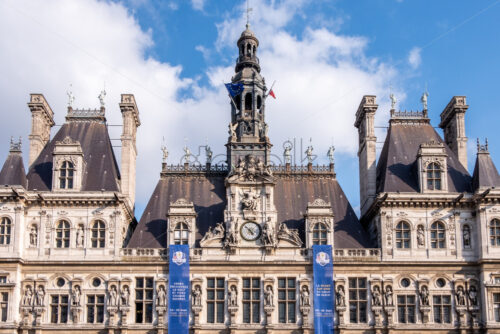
(324, 55)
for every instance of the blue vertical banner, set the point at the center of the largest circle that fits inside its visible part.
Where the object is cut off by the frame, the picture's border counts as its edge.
(323, 289)
(178, 290)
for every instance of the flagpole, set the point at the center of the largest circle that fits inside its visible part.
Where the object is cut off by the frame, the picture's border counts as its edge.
(234, 104)
(270, 89)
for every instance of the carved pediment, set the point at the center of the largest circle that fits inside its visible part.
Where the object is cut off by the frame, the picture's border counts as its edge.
(250, 169)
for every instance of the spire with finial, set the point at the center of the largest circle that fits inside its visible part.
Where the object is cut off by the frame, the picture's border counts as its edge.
(482, 148)
(15, 146)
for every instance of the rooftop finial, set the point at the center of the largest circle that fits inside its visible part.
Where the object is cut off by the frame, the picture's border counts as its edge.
(482, 148)
(423, 99)
(330, 154)
(102, 96)
(248, 14)
(15, 146)
(164, 151)
(71, 97)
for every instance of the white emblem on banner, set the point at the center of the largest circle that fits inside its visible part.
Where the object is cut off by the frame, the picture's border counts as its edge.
(322, 259)
(179, 258)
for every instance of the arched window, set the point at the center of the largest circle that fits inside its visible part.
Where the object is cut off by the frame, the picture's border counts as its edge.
(98, 234)
(433, 176)
(403, 235)
(466, 236)
(259, 102)
(438, 235)
(181, 234)
(319, 236)
(5, 228)
(66, 175)
(248, 101)
(495, 232)
(237, 101)
(249, 50)
(62, 234)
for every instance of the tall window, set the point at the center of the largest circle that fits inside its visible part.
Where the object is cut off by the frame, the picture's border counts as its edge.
(95, 309)
(286, 300)
(98, 234)
(403, 235)
(144, 300)
(319, 234)
(438, 235)
(442, 309)
(4, 306)
(406, 309)
(433, 176)
(5, 228)
(357, 300)
(496, 306)
(215, 300)
(62, 234)
(495, 232)
(248, 101)
(59, 309)
(181, 234)
(66, 175)
(251, 300)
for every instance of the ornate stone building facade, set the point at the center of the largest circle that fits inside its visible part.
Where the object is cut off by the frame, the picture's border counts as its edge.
(423, 257)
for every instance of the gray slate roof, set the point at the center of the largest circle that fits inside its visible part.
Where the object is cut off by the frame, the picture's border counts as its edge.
(13, 173)
(485, 173)
(101, 171)
(208, 194)
(397, 168)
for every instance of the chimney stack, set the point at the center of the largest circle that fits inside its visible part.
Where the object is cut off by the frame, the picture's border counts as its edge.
(42, 120)
(453, 125)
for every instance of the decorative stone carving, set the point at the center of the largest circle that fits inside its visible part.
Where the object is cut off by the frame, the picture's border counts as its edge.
(268, 296)
(460, 296)
(420, 236)
(305, 305)
(248, 168)
(287, 155)
(389, 300)
(125, 296)
(233, 296)
(28, 296)
(217, 233)
(76, 295)
(249, 200)
(232, 235)
(473, 296)
(113, 296)
(268, 235)
(424, 295)
(340, 296)
(376, 296)
(291, 235)
(304, 296)
(197, 296)
(33, 236)
(309, 154)
(161, 296)
(79, 236)
(40, 296)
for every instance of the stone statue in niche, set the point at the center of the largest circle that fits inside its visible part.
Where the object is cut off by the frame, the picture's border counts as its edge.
(340, 296)
(249, 201)
(460, 296)
(33, 236)
(79, 236)
(466, 237)
(40, 296)
(113, 296)
(376, 296)
(388, 296)
(473, 297)
(125, 296)
(28, 296)
(269, 296)
(304, 296)
(197, 296)
(161, 296)
(424, 295)
(267, 237)
(420, 236)
(233, 296)
(232, 236)
(76, 295)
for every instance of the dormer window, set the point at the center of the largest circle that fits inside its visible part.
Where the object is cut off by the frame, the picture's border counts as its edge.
(433, 176)
(320, 234)
(66, 174)
(181, 234)
(181, 223)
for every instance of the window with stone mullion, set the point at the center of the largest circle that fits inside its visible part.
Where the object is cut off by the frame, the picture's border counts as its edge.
(4, 306)
(181, 234)
(496, 306)
(98, 235)
(495, 232)
(62, 234)
(66, 175)
(144, 300)
(59, 309)
(433, 177)
(406, 309)
(5, 229)
(251, 300)
(403, 235)
(357, 300)
(215, 300)
(438, 236)
(95, 309)
(442, 309)
(319, 234)
(287, 300)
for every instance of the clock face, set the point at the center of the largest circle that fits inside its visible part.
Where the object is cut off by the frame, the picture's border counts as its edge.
(250, 231)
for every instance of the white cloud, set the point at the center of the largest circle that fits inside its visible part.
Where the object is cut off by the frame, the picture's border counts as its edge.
(414, 57)
(321, 77)
(198, 4)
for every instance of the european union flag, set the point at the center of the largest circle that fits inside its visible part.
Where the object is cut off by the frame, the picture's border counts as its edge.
(234, 89)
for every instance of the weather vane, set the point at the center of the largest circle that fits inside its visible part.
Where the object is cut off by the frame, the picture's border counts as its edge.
(248, 13)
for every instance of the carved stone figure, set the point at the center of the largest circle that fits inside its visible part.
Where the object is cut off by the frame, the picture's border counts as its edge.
(79, 236)
(473, 297)
(40, 296)
(113, 296)
(423, 99)
(208, 154)
(249, 167)
(187, 154)
(330, 154)
(269, 296)
(232, 130)
(304, 296)
(420, 235)
(164, 153)
(287, 155)
(161, 296)
(28, 296)
(101, 97)
(33, 236)
(393, 100)
(291, 235)
(389, 300)
(125, 296)
(268, 238)
(249, 201)
(340, 296)
(466, 237)
(233, 296)
(197, 296)
(460, 296)
(424, 295)
(309, 154)
(232, 236)
(76, 295)
(216, 233)
(376, 296)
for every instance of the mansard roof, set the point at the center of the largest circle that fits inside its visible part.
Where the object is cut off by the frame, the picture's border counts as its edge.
(101, 169)
(13, 173)
(397, 166)
(208, 194)
(485, 172)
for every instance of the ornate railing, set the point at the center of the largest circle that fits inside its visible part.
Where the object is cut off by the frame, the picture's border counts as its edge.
(409, 114)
